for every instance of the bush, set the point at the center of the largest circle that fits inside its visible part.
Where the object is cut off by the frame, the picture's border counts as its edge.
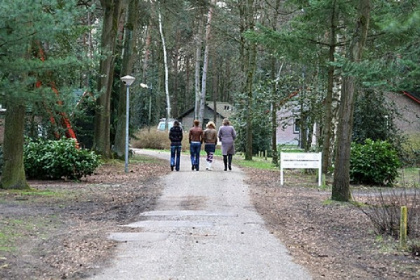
(154, 139)
(374, 163)
(411, 151)
(384, 211)
(48, 159)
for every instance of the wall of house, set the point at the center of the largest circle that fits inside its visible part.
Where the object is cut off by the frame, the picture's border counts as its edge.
(409, 122)
(187, 121)
(285, 133)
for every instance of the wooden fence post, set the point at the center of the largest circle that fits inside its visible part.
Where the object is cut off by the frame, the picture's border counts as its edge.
(403, 227)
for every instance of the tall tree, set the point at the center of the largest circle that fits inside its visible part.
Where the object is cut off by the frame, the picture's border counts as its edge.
(341, 184)
(248, 52)
(27, 29)
(205, 63)
(14, 169)
(128, 59)
(102, 133)
(165, 65)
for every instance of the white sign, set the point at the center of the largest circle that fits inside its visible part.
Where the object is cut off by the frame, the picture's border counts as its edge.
(301, 160)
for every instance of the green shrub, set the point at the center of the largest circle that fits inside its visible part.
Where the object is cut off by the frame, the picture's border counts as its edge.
(411, 150)
(48, 159)
(374, 163)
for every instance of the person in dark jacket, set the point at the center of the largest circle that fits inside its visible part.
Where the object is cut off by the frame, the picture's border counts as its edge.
(175, 135)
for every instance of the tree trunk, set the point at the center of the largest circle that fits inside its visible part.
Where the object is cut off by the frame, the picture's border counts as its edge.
(13, 169)
(327, 125)
(274, 107)
(102, 133)
(165, 59)
(197, 69)
(205, 64)
(252, 56)
(248, 54)
(128, 59)
(341, 184)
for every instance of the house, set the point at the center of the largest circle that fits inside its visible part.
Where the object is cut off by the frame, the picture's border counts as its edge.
(407, 104)
(288, 129)
(222, 110)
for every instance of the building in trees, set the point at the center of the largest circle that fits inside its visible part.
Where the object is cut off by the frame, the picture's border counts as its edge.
(223, 110)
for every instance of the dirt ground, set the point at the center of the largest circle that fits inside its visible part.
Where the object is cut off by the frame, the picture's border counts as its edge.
(60, 230)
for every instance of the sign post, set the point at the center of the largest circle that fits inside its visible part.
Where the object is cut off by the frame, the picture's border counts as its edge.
(301, 160)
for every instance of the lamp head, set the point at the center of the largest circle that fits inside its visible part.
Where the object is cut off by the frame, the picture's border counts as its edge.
(127, 80)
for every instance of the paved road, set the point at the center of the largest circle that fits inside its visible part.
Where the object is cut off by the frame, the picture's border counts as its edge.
(204, 227)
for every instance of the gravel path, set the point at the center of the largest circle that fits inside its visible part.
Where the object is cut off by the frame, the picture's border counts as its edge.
(203, 227)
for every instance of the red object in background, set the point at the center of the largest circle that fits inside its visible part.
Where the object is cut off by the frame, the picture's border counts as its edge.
(65, 122)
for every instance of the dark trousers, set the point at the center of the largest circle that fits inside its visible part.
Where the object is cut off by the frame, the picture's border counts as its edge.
(227, 160)
(175, 156)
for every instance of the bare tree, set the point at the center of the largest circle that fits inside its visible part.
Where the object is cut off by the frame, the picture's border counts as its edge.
(205, 64)
(165, 60)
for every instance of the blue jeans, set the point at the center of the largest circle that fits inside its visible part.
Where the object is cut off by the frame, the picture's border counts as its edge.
(195, 148)
(175, 156)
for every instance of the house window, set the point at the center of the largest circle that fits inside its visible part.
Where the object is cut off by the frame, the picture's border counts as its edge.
(227, 107)
(296, 126)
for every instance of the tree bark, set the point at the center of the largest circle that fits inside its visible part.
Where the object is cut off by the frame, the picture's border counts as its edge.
(13, 176)
(327, 125)
(165, 60)
(197, 68)
(128, 59)
(248, 54)
(205, 64)
(341, 184)
(102, 133)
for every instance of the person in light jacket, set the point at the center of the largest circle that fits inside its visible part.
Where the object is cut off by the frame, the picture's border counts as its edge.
(210, 142)
(196, 139)
(227, 136)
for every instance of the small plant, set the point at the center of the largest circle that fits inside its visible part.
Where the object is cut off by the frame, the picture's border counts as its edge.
(374, 163)
(48, 159)
(384, 210)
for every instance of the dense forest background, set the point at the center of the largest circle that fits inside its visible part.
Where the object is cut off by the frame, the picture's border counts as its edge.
(64, 60)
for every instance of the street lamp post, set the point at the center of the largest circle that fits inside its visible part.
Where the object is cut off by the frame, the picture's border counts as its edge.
(127, 80)
(150, 101)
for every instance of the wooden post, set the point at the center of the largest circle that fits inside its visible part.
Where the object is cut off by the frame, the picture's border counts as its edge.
(403, 227)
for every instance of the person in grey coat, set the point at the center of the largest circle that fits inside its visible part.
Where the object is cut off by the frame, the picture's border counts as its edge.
(227, 136)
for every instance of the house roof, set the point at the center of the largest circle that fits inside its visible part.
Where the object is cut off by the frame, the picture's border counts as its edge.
(223, 109)
(413, 95)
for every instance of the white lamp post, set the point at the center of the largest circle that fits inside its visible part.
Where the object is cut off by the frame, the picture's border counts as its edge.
(150, 101)
(127, 81)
